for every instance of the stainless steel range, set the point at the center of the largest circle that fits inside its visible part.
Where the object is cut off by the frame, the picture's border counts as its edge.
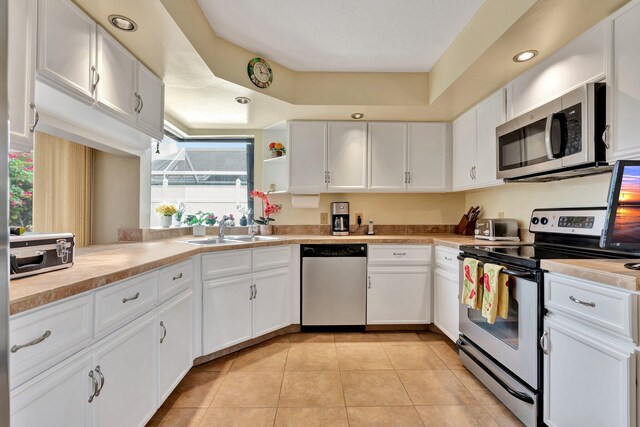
(507, 355)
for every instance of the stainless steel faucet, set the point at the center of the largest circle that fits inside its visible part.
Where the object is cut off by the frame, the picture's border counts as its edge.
(223, 224)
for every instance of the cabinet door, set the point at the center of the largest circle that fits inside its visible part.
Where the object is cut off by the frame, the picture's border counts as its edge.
(226, 312)
(347, 156)
(489, 114)
(57, 397)
(307, 157)
(21, 71)
(117, 70)
(175, 354)
(587, 381)
(625, 89)
(398, 295)
(66, 47)
(446, 305)
(271, 302)
(151, 109)
(429, 159)
(128, 361)
(387, 156)
(464, 150)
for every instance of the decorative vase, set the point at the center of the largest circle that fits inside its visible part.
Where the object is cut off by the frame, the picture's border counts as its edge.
(266, 230)
(243, 221)
(199, 230)
(165, 221)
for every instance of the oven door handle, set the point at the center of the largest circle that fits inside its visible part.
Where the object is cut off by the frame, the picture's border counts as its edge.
(527, 275)
(517, 394)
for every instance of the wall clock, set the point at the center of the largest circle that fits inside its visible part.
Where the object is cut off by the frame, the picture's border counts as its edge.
(260, 73)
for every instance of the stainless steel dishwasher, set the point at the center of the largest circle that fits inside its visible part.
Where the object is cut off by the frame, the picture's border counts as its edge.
(334, 285)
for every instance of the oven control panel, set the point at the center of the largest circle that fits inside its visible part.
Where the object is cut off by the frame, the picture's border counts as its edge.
(577, 221)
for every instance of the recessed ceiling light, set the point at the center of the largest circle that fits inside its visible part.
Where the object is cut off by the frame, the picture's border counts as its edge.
(243, 100)
(357, 116)
(123, 23)
(525, 56)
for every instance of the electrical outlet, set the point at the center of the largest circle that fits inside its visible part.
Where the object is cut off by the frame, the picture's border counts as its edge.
(324, 218)
(500, 214)
(359, 216)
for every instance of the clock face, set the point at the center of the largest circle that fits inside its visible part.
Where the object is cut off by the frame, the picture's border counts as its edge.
(260, 73)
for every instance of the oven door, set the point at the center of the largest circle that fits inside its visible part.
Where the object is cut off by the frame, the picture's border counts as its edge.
(513, 341)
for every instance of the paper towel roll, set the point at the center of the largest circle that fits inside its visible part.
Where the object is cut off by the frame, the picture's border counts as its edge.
(305, 202)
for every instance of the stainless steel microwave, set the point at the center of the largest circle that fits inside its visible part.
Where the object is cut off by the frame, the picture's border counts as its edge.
(566, 134)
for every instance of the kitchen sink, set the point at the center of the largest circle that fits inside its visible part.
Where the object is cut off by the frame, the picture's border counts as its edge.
(216, 241)
(253, 238)
(230, 240)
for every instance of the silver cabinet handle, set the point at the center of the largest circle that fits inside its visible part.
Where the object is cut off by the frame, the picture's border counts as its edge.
(141, 104)
(542, 342)
(471, 172)
(255, 291)
(94, 381)
(38, 340)
(164, 332)
(36, 118)
(369, 277)
(605, 136)
(399, 253)
(99, 372)
(135, 94)
(177, 276)
(577, 301)
(96, 78)
(250, 292)
(448, 258)
(135, 297)
(474, 172)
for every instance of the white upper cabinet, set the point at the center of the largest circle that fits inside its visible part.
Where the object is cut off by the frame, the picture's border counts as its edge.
(387, 156)
(151, 106)
(22, 63)
(116, 86)
(307, 157)
(464, 150)
(625, 88)
(489, 115)
(347, 156)
(428, 156)
(67, 48)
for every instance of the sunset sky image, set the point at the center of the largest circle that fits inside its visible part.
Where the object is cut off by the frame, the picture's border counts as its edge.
(630, 187)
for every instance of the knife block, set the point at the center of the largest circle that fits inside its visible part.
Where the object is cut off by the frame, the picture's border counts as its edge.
(465, 227)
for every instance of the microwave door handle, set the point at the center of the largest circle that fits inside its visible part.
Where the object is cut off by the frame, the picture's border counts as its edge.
(548, 144)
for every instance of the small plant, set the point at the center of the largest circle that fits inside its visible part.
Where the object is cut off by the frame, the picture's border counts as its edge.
(201, 218)
(277, 149)
(180, 212)
(268, 209)
(166, 210)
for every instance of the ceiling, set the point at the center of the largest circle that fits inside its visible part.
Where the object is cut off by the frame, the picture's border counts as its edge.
(352, 36)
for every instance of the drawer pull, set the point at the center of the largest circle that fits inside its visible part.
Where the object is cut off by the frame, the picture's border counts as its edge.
(448, 258)
(543, 341)
(99, 372)
(177, 276)
(577, 301)
(38, 340)
(369, 282)
(124, 300)
(164, 332)
(399, 253)
(94, 381)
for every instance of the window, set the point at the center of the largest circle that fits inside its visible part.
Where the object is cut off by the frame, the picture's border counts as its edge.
(21, 189)
(213, 175)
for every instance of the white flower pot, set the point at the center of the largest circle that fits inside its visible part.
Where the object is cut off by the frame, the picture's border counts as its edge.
(165, 220)
(199, 230)
(266, 230)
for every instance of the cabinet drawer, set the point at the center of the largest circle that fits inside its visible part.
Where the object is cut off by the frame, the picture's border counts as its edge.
(124, 301)
(43, 337)
(447, 258)
(175, 278)
(394, 255)
(268, 258)
(601, 306)
(227, 263)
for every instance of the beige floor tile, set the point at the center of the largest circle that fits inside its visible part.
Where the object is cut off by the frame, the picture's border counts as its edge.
(221, 364)
(475, 387)
(448, 355)
(373, 388)
(311, 389)
(405, 416)
(183, 417)
(435, 388)
(503, 416)
(157, 417)
(262, 358)
(311, 417)
(355, 337)
(413, 357)
(428, 336)
(278, 339)
(196, 390)
(455, 416)
(239, 417)
(310, 337)
(249, 390)
(366, 356)
(312, 357)
(399, 338)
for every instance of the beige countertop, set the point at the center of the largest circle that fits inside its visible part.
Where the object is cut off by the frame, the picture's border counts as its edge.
(605, 271)
(97, 266)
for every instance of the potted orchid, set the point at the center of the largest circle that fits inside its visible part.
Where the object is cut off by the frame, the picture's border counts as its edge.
(199, 222)
(166, 212)
(268, 209)
(244, 214)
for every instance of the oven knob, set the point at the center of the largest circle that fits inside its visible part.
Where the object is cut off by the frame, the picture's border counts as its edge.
(544, 220)
(535, 220)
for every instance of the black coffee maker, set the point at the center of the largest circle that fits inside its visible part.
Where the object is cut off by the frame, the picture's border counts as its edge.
(340, 218)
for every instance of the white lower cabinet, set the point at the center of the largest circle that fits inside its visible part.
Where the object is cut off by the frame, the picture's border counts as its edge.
(271, 301)
(175, 353)
(446, 305)
(398, 295)
(588, 380)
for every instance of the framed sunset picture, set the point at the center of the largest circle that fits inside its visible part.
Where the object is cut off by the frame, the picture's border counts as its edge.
(622, 227)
